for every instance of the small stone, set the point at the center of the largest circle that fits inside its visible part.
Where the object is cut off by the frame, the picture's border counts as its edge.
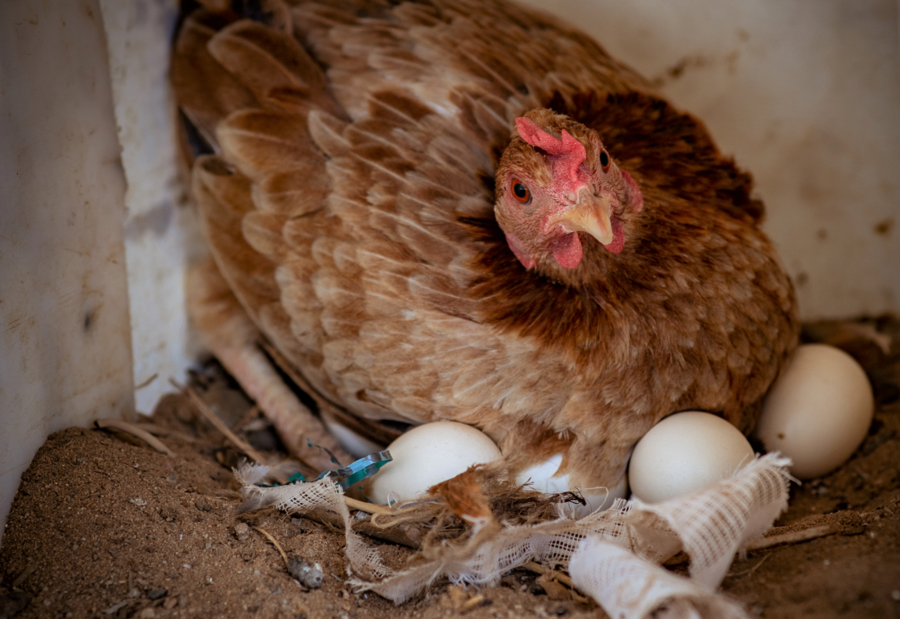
(155, 594)
(895, 595)
(204, 504)
(147, 613)
(170, 603)
(115, 607)
(310, 576)
(242, 531)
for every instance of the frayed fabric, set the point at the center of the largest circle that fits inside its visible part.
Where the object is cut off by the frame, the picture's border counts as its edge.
(614, 555)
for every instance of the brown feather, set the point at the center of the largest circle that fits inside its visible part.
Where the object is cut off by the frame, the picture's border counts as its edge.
(352, 213)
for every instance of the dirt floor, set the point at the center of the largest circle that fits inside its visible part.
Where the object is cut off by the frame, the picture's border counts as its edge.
(104, 526)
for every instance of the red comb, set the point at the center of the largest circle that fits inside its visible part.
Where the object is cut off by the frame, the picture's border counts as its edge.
(568, 153)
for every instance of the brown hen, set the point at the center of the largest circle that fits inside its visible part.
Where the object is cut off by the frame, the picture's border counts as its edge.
(467, 210)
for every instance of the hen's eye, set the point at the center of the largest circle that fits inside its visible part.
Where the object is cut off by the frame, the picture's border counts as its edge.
(520, 191)
(604, 161)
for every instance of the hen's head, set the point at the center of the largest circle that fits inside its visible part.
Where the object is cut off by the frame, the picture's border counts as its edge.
(557, 187)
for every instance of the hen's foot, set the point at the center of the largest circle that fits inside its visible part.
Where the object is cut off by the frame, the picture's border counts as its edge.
(231, 336)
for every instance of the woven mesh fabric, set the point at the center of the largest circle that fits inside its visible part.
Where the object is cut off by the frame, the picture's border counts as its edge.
(633, 587)
(715, 523)
(612, 555)
(362, 560)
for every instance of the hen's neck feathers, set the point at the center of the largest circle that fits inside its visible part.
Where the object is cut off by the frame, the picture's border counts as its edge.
(695, 203)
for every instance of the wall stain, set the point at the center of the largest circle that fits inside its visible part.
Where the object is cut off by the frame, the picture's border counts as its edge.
(884, 228)
(154, 221)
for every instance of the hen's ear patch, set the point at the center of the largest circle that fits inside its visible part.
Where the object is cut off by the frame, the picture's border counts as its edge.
(519, 250)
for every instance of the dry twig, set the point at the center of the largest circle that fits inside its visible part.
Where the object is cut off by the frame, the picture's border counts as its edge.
(537, 568)
(793, 537)
(147, 382)
(28, 571)
(362, 506)
(369, 508)
(157, 430)
(274, 543)
(133, 430)
(220, 425)
(750, 571)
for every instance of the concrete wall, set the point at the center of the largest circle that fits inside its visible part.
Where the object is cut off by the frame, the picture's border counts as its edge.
(161, 233)
(94, 234)
(65, 337)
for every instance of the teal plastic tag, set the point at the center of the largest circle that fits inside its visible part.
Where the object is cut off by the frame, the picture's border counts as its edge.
(353, 473)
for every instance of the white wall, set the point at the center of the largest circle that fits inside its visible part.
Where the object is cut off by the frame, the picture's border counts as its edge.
(161, 234)
(805, 93)
(65, 345)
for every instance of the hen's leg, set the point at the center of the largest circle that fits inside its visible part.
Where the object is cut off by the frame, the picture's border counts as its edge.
(229, 333)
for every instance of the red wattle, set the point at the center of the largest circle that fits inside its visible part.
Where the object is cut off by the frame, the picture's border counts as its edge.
(567, 250)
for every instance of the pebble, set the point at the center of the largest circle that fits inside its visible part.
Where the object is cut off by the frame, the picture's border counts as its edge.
(242, 531)
(115, 607)
(310, 576)
(204, 504)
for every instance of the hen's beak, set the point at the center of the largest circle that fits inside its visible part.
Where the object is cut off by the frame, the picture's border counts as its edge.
(589, 214)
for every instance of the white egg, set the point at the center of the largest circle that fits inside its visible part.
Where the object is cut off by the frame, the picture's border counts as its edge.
(542, 477)
(683, 453)
(427, 455)
(818, 411)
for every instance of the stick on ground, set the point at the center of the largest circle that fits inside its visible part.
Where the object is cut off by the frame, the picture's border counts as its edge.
(133, 430)
(274, 543)
(207, 412)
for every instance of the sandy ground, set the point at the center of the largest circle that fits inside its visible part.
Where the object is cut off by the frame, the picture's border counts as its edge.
(104, 526)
